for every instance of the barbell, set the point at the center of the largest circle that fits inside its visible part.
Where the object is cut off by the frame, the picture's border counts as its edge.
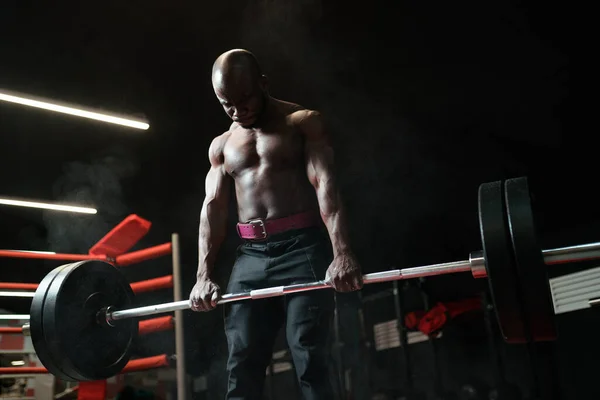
(82, 326)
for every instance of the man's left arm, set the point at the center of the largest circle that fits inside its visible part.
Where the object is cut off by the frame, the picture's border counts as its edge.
(344, 273)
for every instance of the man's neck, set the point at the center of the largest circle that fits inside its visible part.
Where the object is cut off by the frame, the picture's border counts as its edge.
(267, 111)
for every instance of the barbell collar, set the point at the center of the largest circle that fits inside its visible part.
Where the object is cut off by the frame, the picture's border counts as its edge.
(477, 263)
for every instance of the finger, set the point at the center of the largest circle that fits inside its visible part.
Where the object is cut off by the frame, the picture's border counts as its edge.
(197, 304)
(357, 283)
(360, 278)
(194, 302)
(341, 285)
(206, 303)
(348, 284)
(215, 297)
(328, 279)
(335, 283)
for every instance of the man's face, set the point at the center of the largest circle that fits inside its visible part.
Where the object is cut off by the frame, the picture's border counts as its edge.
(242, 97)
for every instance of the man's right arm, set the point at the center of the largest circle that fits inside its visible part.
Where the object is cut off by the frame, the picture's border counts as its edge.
(213, 225)
(213, 217)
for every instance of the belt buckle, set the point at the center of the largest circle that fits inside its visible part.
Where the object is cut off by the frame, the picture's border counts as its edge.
(261, 224)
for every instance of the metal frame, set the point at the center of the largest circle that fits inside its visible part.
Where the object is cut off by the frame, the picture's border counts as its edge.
(179, 332)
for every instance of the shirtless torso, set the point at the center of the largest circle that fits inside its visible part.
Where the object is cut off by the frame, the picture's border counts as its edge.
(268, 164)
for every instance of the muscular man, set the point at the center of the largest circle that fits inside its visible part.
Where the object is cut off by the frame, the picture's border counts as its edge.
(279, 158)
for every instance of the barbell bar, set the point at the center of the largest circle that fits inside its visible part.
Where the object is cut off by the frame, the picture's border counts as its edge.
(81, 317)
(475, 264)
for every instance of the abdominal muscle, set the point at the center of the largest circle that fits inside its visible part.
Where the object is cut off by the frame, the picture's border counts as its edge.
(266, 193)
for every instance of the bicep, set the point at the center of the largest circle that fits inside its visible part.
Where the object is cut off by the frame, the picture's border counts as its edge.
(319, 162)
(318, 149)
(217, 180)
(217, 185)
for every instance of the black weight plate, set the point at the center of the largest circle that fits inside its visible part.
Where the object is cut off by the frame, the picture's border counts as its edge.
(531, 268)
(90, 351)
(36, 324)
(499, 263)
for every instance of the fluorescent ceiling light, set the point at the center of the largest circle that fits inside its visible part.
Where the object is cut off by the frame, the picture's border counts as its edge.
(17, 363)
(13, 316)
(48, 206)
(30, 251)
(8, 293)
(12, 98)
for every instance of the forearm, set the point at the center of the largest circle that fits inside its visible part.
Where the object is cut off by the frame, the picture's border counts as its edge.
(213, 224)
(334, 216)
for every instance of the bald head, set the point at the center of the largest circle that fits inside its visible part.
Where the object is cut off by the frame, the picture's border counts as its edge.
(239, 85)
(233, 63)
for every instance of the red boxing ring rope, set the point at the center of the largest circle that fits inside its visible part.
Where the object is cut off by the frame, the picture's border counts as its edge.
(140, 364)
(144, 254)
(156, 325)
(146, 326)
(23, 370)
(121, 260)
(44, 256)
(163, 282)
(146, 363)
(10, 331)
(18, 286)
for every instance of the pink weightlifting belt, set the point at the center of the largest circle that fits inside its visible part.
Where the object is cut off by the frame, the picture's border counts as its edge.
(258, 229)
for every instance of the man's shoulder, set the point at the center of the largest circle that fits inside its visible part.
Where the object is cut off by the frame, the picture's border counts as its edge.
(308, 122)
(286, 107)
(215, 151)
(290, 110)
(299, 115)
(306, 115)
(219, 141)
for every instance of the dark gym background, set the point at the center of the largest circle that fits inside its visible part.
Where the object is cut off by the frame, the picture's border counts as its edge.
(425, 101)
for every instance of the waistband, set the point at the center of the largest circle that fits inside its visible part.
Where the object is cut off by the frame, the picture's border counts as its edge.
(261, 229)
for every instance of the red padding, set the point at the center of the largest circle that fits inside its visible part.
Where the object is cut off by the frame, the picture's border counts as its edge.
(164, 282)
(9, 331)
(133, 365)
(18, 286)
(434, 320)
(92, 390)
(412, 319)
(156, 325)
(122, 237)
(44, 256)
(143, 255)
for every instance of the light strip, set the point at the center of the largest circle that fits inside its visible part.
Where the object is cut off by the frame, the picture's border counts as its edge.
(48, 206)
(30, 251)
(73, 111)
(8, 293)
(17, 363)
(13, 316)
